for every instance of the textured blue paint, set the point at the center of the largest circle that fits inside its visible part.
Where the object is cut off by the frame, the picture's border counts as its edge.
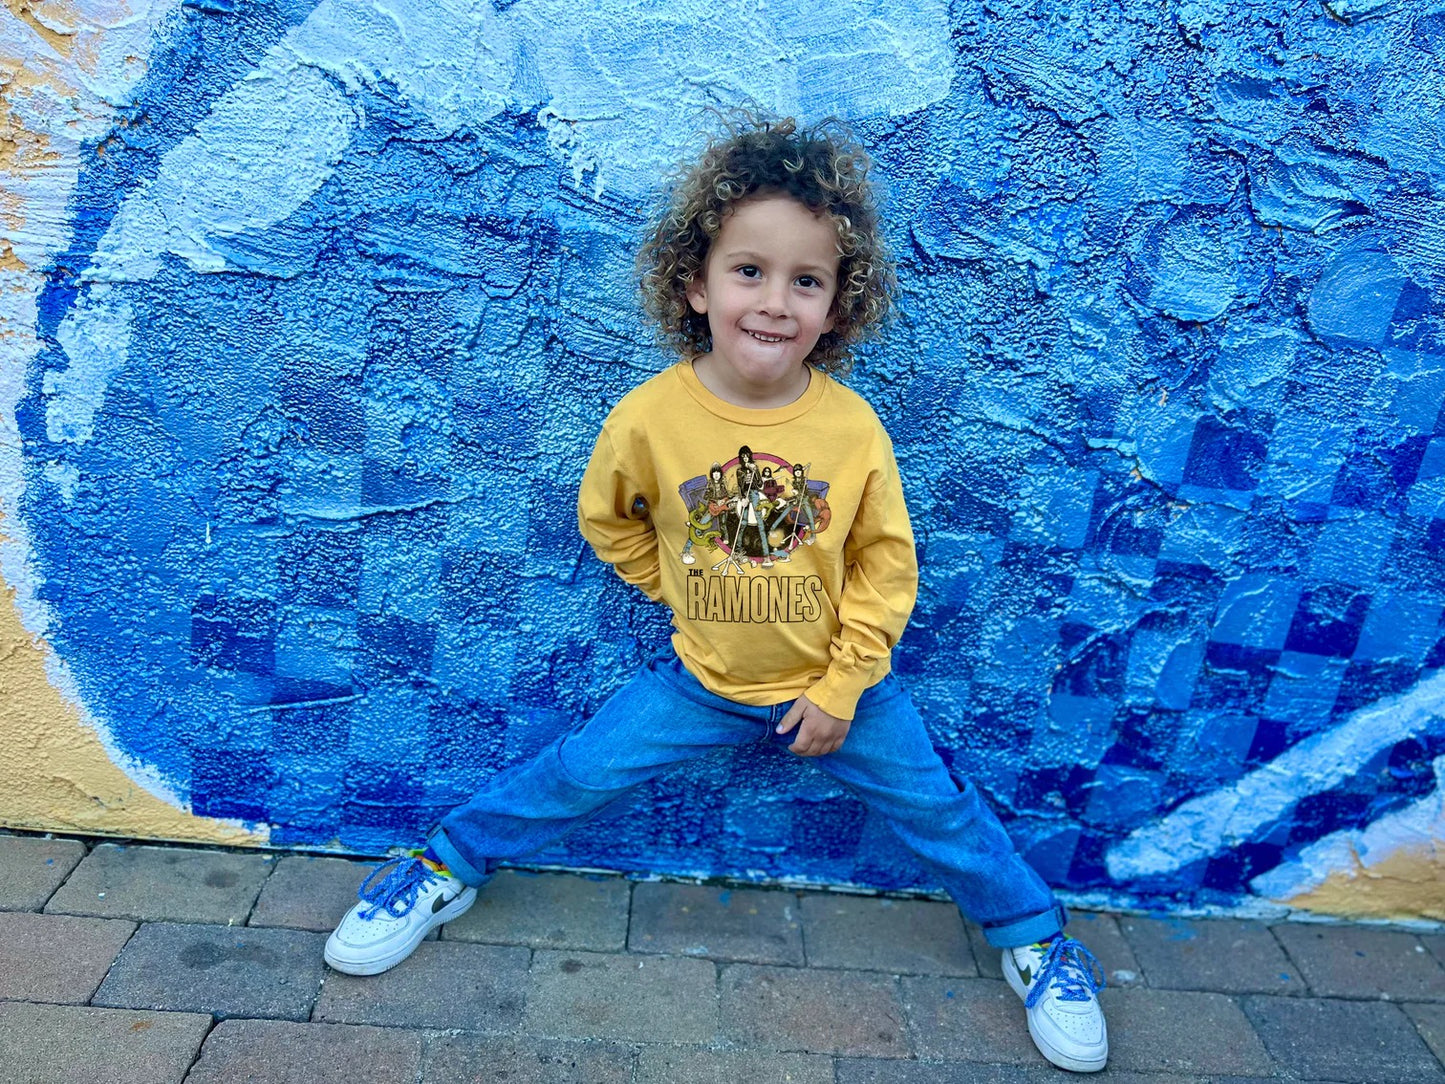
(1166, 391)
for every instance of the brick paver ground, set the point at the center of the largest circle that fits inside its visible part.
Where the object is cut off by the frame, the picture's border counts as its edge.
(33, 867)
(191, 965)
(905, 937)
(163, 884)
(223, 970)
(1232, 957)
(471, 987)
(713, 920)
(308, 893)
(283, 1052)
(57, 959)
(1363, 961)
(546, 910)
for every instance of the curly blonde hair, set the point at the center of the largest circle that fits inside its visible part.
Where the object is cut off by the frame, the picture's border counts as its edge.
(822, 167)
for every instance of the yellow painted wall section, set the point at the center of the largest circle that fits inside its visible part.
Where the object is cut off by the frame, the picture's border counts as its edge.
(57, 776)
(1407, 882)
(1406, 885)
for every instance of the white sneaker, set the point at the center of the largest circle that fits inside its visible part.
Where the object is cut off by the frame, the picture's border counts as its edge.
(393, 916)
(1059, 982)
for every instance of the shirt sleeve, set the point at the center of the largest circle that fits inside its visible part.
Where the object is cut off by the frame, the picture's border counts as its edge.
(621, 534)
(880, 584)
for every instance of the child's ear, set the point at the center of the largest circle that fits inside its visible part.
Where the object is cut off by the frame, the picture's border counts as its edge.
(697, 294)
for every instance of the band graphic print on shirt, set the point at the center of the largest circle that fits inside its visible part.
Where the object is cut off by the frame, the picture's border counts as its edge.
(749, 516)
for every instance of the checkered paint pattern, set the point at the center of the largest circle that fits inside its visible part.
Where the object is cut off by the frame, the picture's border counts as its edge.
(1165, 388)
(1205, 621)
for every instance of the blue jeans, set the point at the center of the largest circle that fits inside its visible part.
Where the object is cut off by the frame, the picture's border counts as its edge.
(664, 717)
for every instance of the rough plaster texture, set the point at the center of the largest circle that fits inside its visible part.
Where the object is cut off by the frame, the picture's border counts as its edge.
(315, 310)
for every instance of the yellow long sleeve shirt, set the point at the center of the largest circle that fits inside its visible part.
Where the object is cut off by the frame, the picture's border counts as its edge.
(778, 538)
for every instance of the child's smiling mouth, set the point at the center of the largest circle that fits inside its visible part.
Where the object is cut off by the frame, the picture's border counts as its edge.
(763, 337)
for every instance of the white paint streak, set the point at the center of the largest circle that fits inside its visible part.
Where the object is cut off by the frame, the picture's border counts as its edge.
(628, 82)
(1229, 817)
(1419, 826)
(272, 140)
(65, 477)
(266, 147)
(96, 338)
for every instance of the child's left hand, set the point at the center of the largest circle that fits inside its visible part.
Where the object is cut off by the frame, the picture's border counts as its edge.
(818, 732)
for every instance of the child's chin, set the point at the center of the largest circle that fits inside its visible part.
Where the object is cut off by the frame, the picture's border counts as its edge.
(771, 365)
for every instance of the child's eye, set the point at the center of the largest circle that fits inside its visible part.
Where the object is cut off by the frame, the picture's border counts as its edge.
(808, 282)
(749, 271)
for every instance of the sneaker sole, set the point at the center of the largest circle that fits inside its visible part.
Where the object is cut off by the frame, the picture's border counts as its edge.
(1047, 1049)
(336, 955)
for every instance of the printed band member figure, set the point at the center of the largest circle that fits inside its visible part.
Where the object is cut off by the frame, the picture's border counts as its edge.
(747, 473)
(753, 508)
(797, 509)
(715, 496)
(749, 533)
(772, 488)
(705, 521)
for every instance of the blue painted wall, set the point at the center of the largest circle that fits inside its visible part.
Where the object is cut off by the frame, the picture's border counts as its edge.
(323, 363)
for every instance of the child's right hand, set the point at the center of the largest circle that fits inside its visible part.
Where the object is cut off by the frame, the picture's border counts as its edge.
(818, 732)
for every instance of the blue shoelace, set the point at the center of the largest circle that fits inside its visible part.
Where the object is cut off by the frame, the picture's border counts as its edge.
(1069, 968)
(396, 895)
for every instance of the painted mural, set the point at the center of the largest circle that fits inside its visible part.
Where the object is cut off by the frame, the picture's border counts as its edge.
(312, 312)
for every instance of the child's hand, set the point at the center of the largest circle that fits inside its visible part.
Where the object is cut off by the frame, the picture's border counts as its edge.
(818, 732)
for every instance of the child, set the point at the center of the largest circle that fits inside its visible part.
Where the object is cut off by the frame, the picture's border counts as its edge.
(763, 272)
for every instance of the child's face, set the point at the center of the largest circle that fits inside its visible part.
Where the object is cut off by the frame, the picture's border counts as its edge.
(767, 290)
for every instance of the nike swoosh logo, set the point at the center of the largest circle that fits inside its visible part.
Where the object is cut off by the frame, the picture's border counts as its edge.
(442, 901)
(1025, 973)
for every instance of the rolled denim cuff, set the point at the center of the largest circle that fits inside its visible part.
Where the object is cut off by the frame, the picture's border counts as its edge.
(1026, 931)
(459, 866)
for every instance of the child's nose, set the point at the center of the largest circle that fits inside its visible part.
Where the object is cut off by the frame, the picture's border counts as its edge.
(775, 299)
